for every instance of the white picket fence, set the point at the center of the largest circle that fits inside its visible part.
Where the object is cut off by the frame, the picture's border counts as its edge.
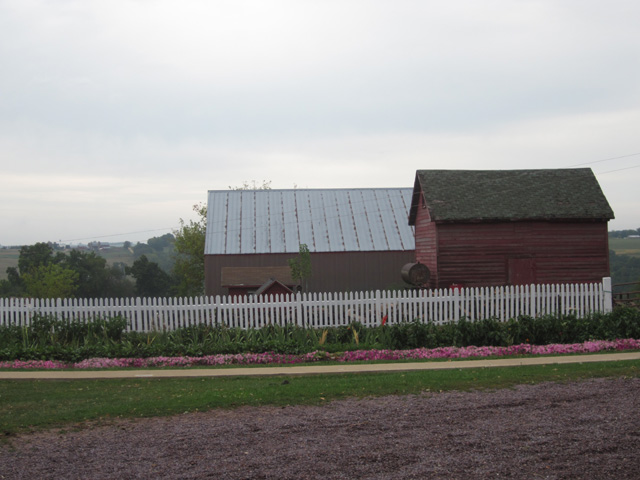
(323, 309)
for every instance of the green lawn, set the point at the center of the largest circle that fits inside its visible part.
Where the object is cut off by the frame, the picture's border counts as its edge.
(27, 405)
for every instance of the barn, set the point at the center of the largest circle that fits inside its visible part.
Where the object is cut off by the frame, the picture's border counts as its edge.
(510, 227)
(358, 239)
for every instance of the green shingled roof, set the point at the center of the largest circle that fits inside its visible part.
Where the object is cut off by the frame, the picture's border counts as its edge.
(476, 195)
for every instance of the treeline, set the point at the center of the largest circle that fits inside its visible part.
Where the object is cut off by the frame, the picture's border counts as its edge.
(624, 233)
(624, 269)
(46, 271)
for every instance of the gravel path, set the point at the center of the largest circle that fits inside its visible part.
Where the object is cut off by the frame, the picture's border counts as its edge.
(585, 430)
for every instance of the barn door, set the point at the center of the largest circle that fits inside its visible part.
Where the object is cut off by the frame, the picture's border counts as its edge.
(522, 271)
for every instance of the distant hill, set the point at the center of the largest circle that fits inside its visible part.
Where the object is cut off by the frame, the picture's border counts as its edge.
(114, 254)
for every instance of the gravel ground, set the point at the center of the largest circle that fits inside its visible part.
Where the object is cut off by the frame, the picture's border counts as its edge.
(582, 430)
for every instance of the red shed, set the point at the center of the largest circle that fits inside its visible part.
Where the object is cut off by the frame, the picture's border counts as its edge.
(257, 280)
(510, 227)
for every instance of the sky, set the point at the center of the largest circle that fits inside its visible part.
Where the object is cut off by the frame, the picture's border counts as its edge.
(116, 117)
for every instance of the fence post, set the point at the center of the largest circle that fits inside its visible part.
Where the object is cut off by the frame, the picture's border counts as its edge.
(608, 294)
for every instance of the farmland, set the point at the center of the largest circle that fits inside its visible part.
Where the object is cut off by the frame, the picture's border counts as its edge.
(625, 246)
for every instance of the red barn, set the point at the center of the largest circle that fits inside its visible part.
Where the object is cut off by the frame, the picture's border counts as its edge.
(510, 227)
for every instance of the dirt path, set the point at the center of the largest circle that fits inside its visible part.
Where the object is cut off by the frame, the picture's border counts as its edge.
(578, 430)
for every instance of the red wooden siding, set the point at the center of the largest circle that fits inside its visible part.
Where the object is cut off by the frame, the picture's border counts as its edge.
(426, 242)
(476, 254)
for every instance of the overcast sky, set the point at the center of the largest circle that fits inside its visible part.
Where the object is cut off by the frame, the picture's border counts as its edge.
(117, 116)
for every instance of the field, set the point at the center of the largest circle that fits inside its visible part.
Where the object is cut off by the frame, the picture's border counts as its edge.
(8, 258)
(625, 246)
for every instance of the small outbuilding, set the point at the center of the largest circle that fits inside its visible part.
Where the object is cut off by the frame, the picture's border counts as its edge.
(510, 227)
(358, 239)
(240, 281)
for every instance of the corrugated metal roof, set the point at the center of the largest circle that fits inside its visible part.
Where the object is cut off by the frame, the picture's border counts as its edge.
(326, 220)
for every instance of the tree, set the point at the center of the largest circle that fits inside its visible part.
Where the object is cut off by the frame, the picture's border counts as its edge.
(13, 286)
(151, 280)
(160, 243)
(34, 256)
(189, 257)
(91, 270)
(301, 266)
(50, 281)
(141, 249)
(117, 284)
(265, 185)
(92, 277)
(188, 268)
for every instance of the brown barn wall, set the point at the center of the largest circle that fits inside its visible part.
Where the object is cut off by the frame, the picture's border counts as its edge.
(331, 272)
(479, 254)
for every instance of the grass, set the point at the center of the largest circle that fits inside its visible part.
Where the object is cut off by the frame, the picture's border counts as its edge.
(44, 404)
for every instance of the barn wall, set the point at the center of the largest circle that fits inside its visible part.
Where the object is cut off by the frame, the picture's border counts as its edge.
(331, 272)
(426, 242)
(495, 253)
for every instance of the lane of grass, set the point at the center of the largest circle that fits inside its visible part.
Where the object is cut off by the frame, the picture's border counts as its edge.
(36, 405)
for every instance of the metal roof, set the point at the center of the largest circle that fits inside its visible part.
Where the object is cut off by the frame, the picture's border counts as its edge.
(326, 220)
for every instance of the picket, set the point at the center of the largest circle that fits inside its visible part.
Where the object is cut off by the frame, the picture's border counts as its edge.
(321, 310)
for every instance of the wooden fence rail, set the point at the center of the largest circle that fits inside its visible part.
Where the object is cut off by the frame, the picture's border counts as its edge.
(323, 309)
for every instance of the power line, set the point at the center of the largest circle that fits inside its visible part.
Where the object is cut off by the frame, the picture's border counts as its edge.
(285, 213)
(604, 160)
(118, 234)
(619, 169)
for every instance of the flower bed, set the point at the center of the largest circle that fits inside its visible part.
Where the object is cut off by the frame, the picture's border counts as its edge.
(351, 356)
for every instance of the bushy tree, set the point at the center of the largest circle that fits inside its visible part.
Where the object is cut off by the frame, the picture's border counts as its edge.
(151, 280)
(254, 185)
(158, 244)
(301, 266)
(189, 257)
(80, 274)
(91, 270)
(34, 256)
(50, 281)
(188, 268)
(13, 286)
(141, 249)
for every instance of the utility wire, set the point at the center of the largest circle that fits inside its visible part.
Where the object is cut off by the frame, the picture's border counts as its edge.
(380, 211)
(604, 160)
(619, 169)
(118, 234)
